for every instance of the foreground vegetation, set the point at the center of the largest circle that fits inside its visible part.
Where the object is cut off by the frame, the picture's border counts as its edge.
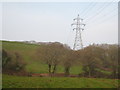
(98, 62)
(92, 61)
(57, 82)
(28, 54)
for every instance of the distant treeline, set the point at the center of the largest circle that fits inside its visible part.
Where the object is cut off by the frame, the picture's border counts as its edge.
(95, 59)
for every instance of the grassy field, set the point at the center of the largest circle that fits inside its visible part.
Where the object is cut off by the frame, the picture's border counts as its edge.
(34, 65)
(28, 52)
(57, 82)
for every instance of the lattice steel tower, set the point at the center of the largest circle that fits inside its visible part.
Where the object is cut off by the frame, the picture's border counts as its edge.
(79, 27)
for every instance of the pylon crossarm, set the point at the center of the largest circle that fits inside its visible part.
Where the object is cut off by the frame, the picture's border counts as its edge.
(73, 24)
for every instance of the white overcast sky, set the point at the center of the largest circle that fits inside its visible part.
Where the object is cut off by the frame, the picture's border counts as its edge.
(51, 21)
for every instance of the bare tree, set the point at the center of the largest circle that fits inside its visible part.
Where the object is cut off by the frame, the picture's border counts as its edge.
(6, 58)
(113, 60)
(90, 58)
(69, 59)
(51, 55)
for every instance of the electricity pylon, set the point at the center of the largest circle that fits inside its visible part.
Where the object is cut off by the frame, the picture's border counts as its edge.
(79, 27)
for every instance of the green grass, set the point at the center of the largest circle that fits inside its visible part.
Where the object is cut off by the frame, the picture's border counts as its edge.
(0, 81)
(57, 82)
(33, 64)
(106, 72)
(28, 52)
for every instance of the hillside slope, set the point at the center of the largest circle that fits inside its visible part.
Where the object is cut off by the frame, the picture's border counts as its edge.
(28, 52)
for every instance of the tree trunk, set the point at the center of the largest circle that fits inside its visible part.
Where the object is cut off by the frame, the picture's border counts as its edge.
(54, 69)
(49, 66)
(67, 71)
(89, 73)
(114, 72)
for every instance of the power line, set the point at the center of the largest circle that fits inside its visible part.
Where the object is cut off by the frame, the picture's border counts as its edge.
(105, 20)
(85, 10)
(103, 16)
(94, 4)
(99, 11)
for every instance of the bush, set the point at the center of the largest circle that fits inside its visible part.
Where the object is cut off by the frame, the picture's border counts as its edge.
(13, 62)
